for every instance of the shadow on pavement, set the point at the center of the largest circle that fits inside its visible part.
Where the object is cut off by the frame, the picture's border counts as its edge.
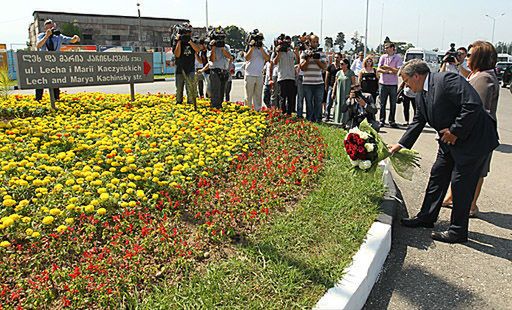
(504, 148)
(497, 219)
(491, 245)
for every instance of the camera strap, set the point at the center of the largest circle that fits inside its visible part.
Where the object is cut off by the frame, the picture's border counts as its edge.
(49, 44)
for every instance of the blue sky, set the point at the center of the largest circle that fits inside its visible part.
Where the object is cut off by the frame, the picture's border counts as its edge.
(416, 21)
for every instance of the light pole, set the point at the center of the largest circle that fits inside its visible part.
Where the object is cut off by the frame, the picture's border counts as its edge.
(140, 28)
(321, 20)
(493, 24)
(206, 15)
(381, 44)
(366, 29)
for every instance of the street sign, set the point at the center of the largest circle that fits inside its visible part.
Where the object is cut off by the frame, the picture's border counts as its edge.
(71, 69)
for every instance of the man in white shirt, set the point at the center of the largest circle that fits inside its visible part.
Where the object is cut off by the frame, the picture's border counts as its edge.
(357, 64)
(255, 57)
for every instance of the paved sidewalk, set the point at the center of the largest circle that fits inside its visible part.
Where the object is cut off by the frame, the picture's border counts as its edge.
(422, 274)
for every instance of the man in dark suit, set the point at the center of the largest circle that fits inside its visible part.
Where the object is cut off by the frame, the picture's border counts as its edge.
(467, 134)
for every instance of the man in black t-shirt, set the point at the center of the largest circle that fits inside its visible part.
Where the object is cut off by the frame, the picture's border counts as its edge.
(330, 77)
(184, 51)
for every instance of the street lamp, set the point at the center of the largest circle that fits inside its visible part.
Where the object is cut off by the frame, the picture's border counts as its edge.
(206, 15)
(366, 30)
(140, 27)
(493, 23)
(321, 19)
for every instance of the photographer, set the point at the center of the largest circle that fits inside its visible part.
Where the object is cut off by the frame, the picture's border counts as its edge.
(285, 58)
(360, 107)
(313, 63)
(255, 57)
(455, 61)
(184, 51)
(219, 58)
(52, 40)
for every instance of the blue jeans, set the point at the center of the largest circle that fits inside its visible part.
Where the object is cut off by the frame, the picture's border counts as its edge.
(330, 102)
(314, 95)
(300, 96)
(385, 92)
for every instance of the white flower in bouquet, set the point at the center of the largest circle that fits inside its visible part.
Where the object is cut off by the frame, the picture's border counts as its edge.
(369, 147)
(365, 164)
(354, 163)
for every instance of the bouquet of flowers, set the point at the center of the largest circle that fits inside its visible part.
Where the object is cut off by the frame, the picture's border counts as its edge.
(366, 149)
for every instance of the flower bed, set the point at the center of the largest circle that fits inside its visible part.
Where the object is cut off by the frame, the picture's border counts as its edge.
(105, 198)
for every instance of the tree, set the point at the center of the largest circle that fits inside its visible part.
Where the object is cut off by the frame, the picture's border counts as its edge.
(70, 29)
(340, 40)
(328, 42)
(402, 47)
(356, 42)
(235, 37)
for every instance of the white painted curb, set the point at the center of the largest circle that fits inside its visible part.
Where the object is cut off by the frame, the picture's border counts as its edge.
(359, 277)
(353, 290)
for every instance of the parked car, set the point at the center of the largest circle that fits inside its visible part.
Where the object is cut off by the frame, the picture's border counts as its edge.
(506, 76)
(500, 67)
(239, 70)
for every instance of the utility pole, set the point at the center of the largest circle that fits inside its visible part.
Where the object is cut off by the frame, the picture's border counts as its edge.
(366, 29)
(140, 28)
(494, 24)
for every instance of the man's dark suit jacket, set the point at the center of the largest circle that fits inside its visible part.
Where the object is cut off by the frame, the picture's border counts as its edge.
(451, 102)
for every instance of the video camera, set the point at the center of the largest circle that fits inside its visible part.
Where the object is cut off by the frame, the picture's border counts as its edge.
(185, 32)
(301, 42)
(217, 37)
(451, 54)
(255, 38)
(56, 32)
(284, 41)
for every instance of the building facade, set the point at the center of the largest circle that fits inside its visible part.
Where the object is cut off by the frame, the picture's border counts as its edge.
(144, 34)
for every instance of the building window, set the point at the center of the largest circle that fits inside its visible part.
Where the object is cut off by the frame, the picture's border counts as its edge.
(116, 37)
(87, 36)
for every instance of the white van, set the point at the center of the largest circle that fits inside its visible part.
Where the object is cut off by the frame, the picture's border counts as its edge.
(504, 58)
(430, 57)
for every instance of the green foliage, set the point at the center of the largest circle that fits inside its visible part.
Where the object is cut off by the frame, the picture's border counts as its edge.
(235, 36)
(340, 40)
(70, 29)
(5, 83)
(328, 42)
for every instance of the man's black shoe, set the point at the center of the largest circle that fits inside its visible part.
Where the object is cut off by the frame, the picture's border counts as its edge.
(415, 222)
(393, 125)
(448, 237)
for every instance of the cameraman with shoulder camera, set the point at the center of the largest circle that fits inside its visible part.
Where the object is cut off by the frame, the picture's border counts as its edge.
(455, 61)
(219, 58)
(313, 63)
(285, 58)
(52, 40)
(360, 107)
(184, 51)
(255, 57)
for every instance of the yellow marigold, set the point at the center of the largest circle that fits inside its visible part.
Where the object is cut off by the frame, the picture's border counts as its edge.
(89, 208)
(29, 231)
(55, 211)
(70, 220)
(104, 196)
(140, 194)
(26, 219)
(9, 202)
(48, 220)
(5, 244)
(36, 234)
(61, 228)
(101, 211)
(7, 221)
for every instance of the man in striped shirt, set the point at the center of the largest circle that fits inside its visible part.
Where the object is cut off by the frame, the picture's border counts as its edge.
(313, 63)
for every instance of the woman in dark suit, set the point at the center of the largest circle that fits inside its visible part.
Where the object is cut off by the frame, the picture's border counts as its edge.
(481, 60)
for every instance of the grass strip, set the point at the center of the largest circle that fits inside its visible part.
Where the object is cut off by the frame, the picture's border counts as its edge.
(293, 259)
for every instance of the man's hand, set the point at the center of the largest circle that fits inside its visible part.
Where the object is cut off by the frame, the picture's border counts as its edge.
(361, 102)
(49, 32)
(394, 148)
(447, 137)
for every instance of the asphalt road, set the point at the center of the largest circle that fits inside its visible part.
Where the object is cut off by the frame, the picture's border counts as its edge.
(420, 273)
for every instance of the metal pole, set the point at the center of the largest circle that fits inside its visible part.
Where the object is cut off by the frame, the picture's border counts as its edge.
(381, 24)
(140, 28)
(132, 92)
(418, 32)
(321, 21)
(494, 24)
(52, 98)
(366, 30)
(206, 15)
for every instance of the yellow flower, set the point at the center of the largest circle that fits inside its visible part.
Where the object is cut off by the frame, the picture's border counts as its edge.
(61, 228)
(104, 196)
(29, 231)
(55, 211)
(7, 221)
(9, 202)
(26, 219)
(89, 208)
(140, 194)
(48, 220)
(69, 221)
(101, 211)
(5, 244)
(36, 234)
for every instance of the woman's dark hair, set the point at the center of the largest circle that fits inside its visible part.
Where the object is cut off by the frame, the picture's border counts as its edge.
(483, 56)
(346, 61)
